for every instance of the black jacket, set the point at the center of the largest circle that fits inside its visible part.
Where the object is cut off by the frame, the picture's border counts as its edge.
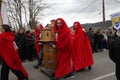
(114, 50)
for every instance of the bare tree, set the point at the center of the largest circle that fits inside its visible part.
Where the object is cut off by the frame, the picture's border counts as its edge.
(15, 12)
(26, 11)
(35, 9)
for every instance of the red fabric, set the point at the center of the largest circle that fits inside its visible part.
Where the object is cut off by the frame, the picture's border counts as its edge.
(64, 44)
(81, 51)
(37, 35)
(9, 54)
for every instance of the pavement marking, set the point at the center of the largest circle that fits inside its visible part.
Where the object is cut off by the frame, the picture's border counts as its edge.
(105, 76)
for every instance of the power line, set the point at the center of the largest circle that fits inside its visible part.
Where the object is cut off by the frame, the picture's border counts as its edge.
(116, 1)
(86, 7)
(96, 15)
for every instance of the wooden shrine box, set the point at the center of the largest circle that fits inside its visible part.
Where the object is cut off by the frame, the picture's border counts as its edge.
(47, 34)
(49, 53)
(49, 59)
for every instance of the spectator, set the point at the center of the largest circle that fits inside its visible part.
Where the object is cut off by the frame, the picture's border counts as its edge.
(114, 53)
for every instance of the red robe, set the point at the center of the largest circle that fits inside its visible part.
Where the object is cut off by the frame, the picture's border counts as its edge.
(64, 44)
(81, 51)
(8, 53)
(37, 35)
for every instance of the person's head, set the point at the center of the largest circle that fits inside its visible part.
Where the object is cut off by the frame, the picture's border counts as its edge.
(90, 29)
(21, 31)
(24, 29)
(59, 23)
(77, 25)
(39, 26)
(28, 32)
(5, 28)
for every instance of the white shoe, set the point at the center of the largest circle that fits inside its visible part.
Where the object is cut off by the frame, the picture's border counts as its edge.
(70, 77)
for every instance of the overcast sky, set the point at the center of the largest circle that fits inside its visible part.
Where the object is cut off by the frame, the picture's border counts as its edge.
(84, 11)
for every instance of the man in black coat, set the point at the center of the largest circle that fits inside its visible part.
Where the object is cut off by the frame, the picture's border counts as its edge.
(114, 53)
(91, 37)
(20, 40)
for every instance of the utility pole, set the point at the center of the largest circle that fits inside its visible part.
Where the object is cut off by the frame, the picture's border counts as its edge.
(103, 5)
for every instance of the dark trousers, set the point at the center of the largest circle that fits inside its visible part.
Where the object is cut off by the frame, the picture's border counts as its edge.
(22, 52)
(96, 45)
(40, 58)
(92, 45)
(100, 45)
(30, 52)
(118, 71)
(5, 72)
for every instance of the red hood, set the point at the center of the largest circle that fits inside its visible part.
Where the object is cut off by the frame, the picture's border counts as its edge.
(62, 28)
(8, 52)
(78, 29)
(9, 36)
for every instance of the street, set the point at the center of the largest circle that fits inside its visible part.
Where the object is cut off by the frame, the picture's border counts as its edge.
(103, 69)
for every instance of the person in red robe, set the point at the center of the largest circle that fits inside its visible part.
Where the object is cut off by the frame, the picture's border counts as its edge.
(37, 35)
(10, 56)
(38, 46)
(81, 52)
(63, 43)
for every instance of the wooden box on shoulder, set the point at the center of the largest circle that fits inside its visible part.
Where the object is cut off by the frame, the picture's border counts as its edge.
(47, 35)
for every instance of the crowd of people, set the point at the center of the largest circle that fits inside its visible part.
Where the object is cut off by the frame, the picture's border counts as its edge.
(75, 48)
(107, 39)
(100, 39)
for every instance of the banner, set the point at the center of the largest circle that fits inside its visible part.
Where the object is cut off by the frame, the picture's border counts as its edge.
(115, 18)
(4, 17)
(3, 13)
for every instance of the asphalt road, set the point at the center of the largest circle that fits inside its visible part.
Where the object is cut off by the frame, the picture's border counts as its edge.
(103, 69)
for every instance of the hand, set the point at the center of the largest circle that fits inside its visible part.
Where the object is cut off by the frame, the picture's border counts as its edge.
(54, 46)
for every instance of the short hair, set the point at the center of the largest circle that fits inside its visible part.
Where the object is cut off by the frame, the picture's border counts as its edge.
(90, 29)
(28, 31)
(6, 27)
